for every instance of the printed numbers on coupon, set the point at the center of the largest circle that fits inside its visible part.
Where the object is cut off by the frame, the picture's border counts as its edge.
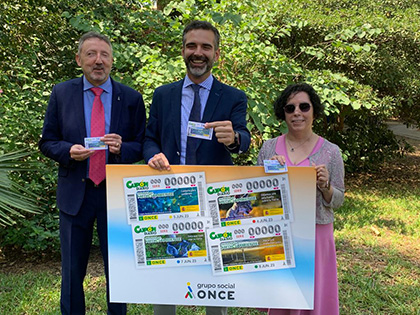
(180, 180)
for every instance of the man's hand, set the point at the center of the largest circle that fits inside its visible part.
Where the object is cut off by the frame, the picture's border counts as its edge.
(159, 162)
(79, 153)
(113, 141)
(223, 131)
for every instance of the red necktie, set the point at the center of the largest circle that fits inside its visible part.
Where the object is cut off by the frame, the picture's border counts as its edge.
(97, 129)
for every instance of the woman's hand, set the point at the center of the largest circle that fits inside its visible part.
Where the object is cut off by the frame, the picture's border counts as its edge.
(322, 176)
(280, 158)
(323, 182)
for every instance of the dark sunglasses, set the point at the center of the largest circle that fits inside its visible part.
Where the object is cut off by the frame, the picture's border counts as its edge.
(290, 108)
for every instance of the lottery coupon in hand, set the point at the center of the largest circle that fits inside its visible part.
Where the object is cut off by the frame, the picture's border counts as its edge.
(251, 248)
(95, 143)
(164, 197)
(274, 166)
(197, 130)
(250, 201)
(171, 243)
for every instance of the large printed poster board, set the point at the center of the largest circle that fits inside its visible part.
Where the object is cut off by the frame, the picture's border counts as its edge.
(154, 259)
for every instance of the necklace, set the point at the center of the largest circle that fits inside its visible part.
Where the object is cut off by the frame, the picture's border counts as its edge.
(292, 149)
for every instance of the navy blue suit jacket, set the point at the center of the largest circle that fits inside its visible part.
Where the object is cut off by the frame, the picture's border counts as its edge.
(64, 126)
(163, 133)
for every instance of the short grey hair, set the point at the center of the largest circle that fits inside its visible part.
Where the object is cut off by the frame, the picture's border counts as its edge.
(90, 35)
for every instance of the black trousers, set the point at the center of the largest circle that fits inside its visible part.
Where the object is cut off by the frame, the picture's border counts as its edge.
(76, 239)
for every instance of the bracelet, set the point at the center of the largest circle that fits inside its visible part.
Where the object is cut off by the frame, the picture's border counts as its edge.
(324, 189)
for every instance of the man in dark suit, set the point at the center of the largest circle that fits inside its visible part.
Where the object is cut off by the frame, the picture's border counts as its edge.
(221, 107)
(75, 110)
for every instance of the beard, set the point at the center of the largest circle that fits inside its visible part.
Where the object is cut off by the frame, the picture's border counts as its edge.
(97, 76)
(198, 71)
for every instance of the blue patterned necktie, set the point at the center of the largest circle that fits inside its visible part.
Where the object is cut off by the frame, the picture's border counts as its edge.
(195, 115)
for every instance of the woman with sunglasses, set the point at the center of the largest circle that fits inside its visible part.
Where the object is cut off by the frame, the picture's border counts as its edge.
(299, 105)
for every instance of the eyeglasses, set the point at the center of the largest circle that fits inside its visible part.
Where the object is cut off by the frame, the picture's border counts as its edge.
(290, 108)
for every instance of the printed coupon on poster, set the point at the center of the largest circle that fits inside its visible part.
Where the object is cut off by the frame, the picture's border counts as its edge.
(251, 248)
(164, 197)
(171, 243)
(249, 201)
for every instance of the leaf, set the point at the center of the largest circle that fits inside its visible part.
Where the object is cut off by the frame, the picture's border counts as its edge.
(329, 37)
(256, 120)
(167, 10)
(12, 196)
(218, 18)
(356, 105)
(357, 48)
(366, 47)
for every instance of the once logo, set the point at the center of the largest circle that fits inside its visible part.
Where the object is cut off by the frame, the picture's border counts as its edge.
(189, 292)
(216, 295)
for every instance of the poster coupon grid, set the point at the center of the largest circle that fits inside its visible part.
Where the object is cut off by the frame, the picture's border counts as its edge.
(251, 248)
(165, 197)
(252, 200)
(171, 243)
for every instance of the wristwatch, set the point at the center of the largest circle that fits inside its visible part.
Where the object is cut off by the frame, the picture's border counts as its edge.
(236, 142)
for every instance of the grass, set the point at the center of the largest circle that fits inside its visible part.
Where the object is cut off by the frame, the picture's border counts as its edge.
(38, 292)
(377, 235)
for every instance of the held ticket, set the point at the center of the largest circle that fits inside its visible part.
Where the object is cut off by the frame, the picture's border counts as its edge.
(165, 197)
(251, 248)
(171, 243)
(95, 143)
(274, 166)
(197, 130)
(249, 201)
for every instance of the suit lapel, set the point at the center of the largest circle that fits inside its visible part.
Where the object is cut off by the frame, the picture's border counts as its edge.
(212, 101)
(79, 111)
(115, 107)
(175, 109)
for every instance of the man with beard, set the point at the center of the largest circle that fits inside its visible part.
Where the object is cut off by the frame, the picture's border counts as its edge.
(92, 106)
(192, 106)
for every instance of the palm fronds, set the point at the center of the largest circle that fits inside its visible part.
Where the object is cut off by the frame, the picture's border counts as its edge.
(14, 199)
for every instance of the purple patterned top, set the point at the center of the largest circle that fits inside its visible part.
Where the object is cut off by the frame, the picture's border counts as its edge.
(324, 152)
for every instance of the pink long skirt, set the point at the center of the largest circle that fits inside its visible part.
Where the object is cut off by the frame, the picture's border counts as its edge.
(326, 283)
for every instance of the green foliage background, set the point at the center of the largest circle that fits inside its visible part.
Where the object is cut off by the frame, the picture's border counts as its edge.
(361, 56)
